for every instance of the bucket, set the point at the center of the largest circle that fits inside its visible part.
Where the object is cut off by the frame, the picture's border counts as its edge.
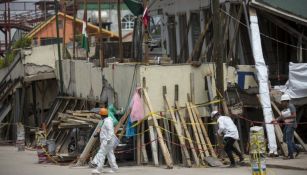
(51, 147)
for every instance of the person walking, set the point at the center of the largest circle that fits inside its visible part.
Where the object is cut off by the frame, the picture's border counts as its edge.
(107, 141)
(229, 131)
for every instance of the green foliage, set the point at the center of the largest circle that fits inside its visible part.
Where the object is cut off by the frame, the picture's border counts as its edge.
(10, 55)
(22, 43)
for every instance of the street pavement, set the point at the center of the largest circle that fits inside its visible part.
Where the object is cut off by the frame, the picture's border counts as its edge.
(25, 163)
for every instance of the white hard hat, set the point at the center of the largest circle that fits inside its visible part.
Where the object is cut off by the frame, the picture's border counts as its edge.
(285, 97)
(213, 113)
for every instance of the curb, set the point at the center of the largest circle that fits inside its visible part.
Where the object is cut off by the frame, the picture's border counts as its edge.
(285, 167)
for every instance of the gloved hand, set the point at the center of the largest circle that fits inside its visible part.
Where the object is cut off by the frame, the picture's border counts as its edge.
(96, 135)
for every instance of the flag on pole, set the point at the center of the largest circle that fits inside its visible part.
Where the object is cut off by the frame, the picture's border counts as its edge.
(146, 18)
(84, 42)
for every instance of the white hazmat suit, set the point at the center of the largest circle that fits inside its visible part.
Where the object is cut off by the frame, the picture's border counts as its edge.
(107, 139)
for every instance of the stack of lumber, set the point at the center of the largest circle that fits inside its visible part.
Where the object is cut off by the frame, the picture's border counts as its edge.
(76, 119)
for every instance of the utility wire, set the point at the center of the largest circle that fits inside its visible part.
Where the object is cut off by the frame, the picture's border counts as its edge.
(264, 35)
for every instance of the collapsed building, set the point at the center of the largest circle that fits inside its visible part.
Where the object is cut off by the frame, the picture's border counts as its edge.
(185, 74)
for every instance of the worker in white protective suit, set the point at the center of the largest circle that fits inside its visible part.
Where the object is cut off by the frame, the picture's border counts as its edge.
(229, 131)
(108, 142)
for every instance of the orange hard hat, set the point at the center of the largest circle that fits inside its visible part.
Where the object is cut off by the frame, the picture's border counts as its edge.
(103, 111)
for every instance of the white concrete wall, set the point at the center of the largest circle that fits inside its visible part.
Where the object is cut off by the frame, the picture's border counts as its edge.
(42, 55)
(120, 77)
(169, 76)
(81, 79)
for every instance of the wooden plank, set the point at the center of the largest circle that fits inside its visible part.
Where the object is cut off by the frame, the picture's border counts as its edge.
(166, 127)
(279, 133)
(5, 111)
(299, 139)
(86, 152)
(153, 144)
(188, 136)
(200, 133)
(204, 130)
(144, 152)
(199, 43)
(186, 155)
(82, 114)
(86, 119)
(138, 146)
(236, 28)
(198, 143)
(192, 89)
(166, 154)
(122, 120)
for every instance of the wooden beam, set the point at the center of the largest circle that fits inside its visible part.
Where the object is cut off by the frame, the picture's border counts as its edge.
(279, 133)
(85, 153)
(199, 43)
(122, 120)
(284, 26)
(204, 130)
(196, 136)
(185, 128)
(144, 152)
(186, 155)
(236, 28)
(166, 154)
(200, 134)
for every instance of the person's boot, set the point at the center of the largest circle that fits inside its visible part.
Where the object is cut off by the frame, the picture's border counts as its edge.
(96, 171)
(241, 159)
(289, 157)
(232, 166)
(91, 164)
(298, 151)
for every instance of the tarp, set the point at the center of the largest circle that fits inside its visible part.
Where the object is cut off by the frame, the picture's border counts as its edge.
(135, 6)
(262, 76)
(296, 86)
(137, 109)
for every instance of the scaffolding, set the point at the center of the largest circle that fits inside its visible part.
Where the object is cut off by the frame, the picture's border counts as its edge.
(21, 15)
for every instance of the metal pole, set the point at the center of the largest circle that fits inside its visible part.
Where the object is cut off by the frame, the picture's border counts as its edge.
(85, 13)
(120, 44)
(9, 24)
(74, 31)
(5, 26)
(64, 31)
(145, 39)
(101, 56)
(59, 46)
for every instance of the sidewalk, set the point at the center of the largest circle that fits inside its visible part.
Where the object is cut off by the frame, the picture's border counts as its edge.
(299, 163)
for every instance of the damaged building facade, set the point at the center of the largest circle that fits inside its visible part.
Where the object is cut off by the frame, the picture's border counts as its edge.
(262, 46)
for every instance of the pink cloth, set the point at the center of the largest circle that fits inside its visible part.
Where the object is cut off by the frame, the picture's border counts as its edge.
(137, 109)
